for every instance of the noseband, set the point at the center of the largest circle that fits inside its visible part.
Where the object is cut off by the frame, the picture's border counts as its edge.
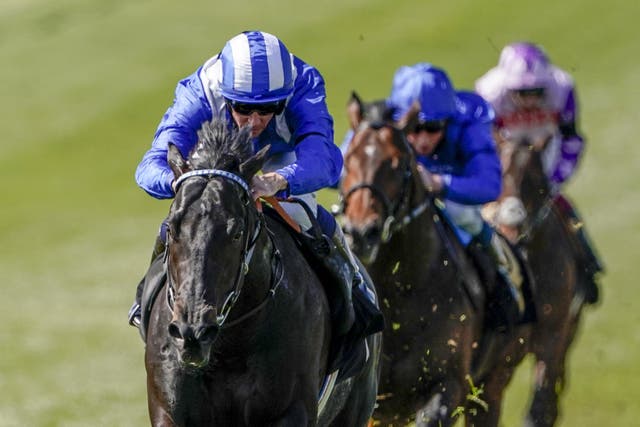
(247, 253)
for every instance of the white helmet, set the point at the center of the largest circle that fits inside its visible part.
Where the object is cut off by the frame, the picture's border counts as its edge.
(525, 66)
(256, 68)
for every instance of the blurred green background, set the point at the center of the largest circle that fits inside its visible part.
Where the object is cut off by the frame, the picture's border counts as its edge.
(85, 82)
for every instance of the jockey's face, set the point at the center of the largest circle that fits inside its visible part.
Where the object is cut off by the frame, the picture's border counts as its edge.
(258, 122)
(255, 115)
(528, 99)
(426, 137)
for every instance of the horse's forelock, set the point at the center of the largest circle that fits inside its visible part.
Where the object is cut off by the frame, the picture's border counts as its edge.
(221, 146)
(377, 112)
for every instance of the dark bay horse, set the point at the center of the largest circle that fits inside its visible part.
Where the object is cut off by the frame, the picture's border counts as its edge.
(241, 333)
(431, 296)
(560, 285)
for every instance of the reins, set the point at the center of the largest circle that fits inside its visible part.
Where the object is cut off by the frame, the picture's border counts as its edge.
(275, 204)
(540, 216)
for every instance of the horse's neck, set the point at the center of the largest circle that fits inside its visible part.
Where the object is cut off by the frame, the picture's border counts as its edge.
(256, 290)
(535, 192)
(260, 275)
(417, 194)
(420, 236)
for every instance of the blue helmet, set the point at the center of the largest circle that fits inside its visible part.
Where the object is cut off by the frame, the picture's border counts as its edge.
(256, 68)
(428, 85)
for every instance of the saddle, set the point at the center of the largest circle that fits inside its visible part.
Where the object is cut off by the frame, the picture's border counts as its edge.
(348, 351)
(496, 296)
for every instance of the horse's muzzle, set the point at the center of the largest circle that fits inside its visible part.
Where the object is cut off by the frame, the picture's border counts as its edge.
(193, 342)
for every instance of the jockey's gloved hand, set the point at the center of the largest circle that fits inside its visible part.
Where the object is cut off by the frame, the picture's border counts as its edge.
(432, 182)
(267, 184)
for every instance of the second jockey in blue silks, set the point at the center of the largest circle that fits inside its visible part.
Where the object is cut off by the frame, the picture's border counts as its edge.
(457, 157)
(255, 81)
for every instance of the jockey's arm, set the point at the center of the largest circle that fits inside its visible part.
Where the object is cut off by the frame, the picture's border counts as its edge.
(480, 179)
(318, 160)
(178, 126)
(571, 144)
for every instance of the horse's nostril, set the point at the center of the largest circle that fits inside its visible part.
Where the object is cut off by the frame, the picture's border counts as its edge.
(174, 330)
(372, 232)
(209, 334)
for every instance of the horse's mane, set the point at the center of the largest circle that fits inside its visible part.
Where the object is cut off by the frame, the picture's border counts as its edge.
(221, 146)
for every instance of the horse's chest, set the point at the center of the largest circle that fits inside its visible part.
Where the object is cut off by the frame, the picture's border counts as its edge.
(251, 396)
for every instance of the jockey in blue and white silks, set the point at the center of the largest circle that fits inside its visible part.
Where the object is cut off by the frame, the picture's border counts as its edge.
(457, 157)
(301, 134)
(255, 81)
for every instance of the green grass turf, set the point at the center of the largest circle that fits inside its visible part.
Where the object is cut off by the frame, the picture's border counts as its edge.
(84, 84)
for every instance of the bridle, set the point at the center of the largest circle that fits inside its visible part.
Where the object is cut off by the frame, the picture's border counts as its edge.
(393, 222)
(249, 247)
(541, 214)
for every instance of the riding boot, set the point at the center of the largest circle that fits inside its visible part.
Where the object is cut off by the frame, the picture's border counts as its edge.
(135, 312)
(588, 259)
(342, 264)
(359, 316)
(591, 264)
(508, 267)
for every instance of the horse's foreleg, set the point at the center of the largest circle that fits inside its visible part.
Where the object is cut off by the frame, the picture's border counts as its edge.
(441, 409)
(483, 409)
(296, 415)
(157, 415)
(549, 380)
(548, 383)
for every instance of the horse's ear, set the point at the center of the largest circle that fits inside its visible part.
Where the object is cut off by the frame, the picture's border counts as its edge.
(409, 121)
(251, 166)
(177, 163)
(354, 110)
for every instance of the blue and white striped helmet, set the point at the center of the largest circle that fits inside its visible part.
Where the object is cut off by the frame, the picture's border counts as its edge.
(256, 68)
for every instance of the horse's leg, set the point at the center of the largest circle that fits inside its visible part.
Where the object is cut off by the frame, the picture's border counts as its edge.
(296, 415)
(448, 397)
(487, 409)
(157, 414)
(485, 406)
(549, 376)
(159, 418)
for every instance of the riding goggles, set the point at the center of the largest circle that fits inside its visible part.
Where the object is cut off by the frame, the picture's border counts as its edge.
(537, 92)
(263, 109)
(431, 126)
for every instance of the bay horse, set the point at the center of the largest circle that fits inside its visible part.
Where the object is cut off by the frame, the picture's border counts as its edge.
(560, 283)
(242, 332)
(432, 299)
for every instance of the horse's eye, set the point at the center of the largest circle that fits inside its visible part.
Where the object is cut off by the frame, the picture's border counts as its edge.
(238, 236)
